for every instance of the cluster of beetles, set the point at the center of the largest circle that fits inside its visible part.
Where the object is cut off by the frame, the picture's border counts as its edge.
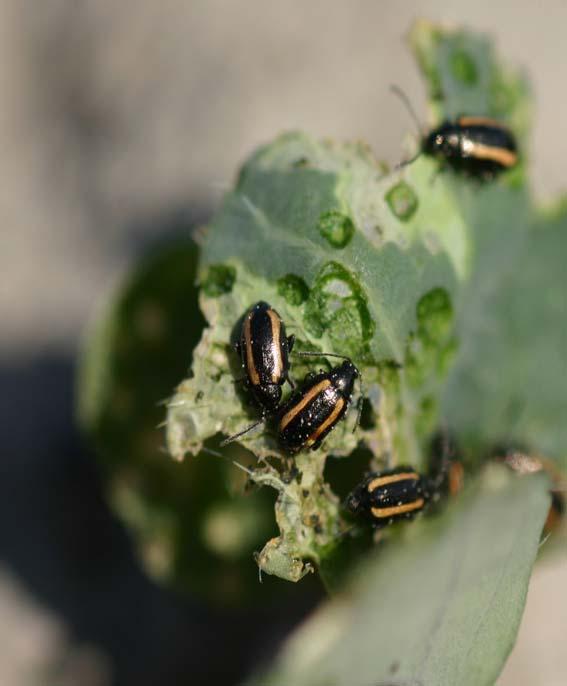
(314, 409)
(476, 146)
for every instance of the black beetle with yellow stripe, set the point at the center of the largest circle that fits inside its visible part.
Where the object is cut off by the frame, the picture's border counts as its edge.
(312, 412)
(386, 497)
(264, 350)
(477, 146)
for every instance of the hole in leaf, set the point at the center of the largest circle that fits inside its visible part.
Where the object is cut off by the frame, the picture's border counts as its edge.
(293, 289)
(337, 306)
(337, 228)
(402, 200)
(219, 280)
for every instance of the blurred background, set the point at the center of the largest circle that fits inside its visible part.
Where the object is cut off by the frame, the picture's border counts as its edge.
(121, 125)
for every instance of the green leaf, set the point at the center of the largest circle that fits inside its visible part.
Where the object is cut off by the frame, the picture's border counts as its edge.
(194, 526)
(505, 387)
(464, 76)
(138, 347)
(442, 608)
(448, 295)
(509, 383)
(385, 298)
(361, 262)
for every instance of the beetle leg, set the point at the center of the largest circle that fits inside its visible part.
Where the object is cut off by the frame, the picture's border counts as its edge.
(236, 436)
(290, 381)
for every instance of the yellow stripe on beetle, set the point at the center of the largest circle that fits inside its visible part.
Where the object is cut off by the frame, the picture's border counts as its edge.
(380, 481)
(331, 419)
(481, 121)
(251, 367)
(386, 512)
(307, 398)
(275, 323)
(479, 151)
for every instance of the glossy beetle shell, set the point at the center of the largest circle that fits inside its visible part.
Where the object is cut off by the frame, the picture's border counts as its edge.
(477, 146)
(311, 413)
(388, 496)
(264, 350)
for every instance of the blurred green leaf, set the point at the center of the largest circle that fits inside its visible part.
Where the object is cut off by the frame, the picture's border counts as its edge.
(509, 381)
(136, 350)
(506, 386)
(442, 608)
(193, 524)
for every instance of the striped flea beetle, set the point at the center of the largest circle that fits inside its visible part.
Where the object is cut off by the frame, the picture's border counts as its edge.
(385, 497)
(477, 146)
(264, 350)
(313, 411)
(394, 494)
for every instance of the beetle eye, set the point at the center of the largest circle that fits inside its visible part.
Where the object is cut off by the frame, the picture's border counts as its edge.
(438, 139)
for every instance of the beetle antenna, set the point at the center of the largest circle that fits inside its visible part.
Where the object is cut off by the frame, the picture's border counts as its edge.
(409, 107)
(234, 437)
(344, 533)
(224, 457)
(360, 403)
(321, 354)
(447, 454)
(404, 163)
